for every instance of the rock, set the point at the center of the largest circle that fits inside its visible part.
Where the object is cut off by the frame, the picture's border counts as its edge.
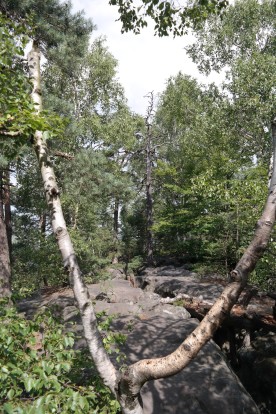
(258, 369)
(206, 386)
(205, 291)
(265, 345)
(116, 290)
(116, 273)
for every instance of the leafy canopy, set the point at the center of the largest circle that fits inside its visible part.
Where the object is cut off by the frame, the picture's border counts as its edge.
(169, 16)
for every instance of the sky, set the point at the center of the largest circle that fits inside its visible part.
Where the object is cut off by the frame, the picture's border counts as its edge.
(145, 61)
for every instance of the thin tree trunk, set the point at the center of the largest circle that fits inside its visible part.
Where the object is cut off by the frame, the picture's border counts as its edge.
(116, 229)
(149, 205)
(7, 209)
(42, 229)
(5, 269)
(149, 201)
(102, 361)
(127, 386)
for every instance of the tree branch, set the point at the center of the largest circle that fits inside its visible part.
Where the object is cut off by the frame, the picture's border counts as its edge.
(149, 369)
(64, 155)
(10, 133)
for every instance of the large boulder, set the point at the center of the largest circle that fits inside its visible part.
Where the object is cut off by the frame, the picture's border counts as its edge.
(206, 386)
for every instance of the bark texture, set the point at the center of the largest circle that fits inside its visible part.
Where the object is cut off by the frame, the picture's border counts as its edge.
(5, 269)
(105, 367)
(149, 200)
(7, 209)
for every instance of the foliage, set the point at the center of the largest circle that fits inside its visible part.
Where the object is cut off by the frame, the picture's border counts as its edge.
(209, 146)
(88, 199)
(40, 372)
(52, 24)
(133, 233)
(243, 43)
(18, 120)
(247, 27)
(208, 200)
(168, 16)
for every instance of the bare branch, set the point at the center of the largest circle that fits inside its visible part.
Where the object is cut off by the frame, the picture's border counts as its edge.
(63, 155)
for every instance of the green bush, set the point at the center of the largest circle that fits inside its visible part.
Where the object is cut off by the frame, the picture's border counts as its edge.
(41, 373)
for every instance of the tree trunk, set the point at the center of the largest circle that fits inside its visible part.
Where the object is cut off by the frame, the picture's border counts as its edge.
(127, 385)
(116, 229)
(142, 371)
(5, 269)
(149, 201)
(102, 361)
(7, 209)
(42, 229)
(149, 205)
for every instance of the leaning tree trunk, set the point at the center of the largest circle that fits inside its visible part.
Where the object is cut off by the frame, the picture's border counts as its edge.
(145, 370)
(126, 386)
(102, 361)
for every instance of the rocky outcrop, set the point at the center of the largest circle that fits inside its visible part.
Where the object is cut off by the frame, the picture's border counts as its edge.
(154, 328)
(207, 385)
(257, 369)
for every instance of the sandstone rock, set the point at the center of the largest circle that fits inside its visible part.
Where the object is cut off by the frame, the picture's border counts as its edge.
(190, 286)
(117, 273)
(206, 386)
(116, 290)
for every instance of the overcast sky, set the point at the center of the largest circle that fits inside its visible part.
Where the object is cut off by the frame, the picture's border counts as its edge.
(145, 61)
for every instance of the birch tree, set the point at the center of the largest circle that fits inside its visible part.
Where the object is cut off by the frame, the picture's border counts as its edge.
(126, 386)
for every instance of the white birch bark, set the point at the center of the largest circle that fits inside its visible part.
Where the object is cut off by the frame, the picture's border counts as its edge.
(149, 369)
(102, 361)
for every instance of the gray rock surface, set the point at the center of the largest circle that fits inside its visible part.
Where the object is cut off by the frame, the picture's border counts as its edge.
(206, 386)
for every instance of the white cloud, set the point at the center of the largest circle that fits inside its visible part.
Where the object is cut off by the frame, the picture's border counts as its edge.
(145, 61)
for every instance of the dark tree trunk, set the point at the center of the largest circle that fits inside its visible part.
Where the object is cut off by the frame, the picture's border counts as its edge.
(7, 209)
(5, 269)
(42, 228)
(149, 201)
(149, 204)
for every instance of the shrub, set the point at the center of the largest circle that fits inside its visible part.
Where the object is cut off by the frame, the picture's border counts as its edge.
(41, 373)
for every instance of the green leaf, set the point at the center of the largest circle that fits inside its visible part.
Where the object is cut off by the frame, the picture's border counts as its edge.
(28, 383)
(8, 409)
(10, 394)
